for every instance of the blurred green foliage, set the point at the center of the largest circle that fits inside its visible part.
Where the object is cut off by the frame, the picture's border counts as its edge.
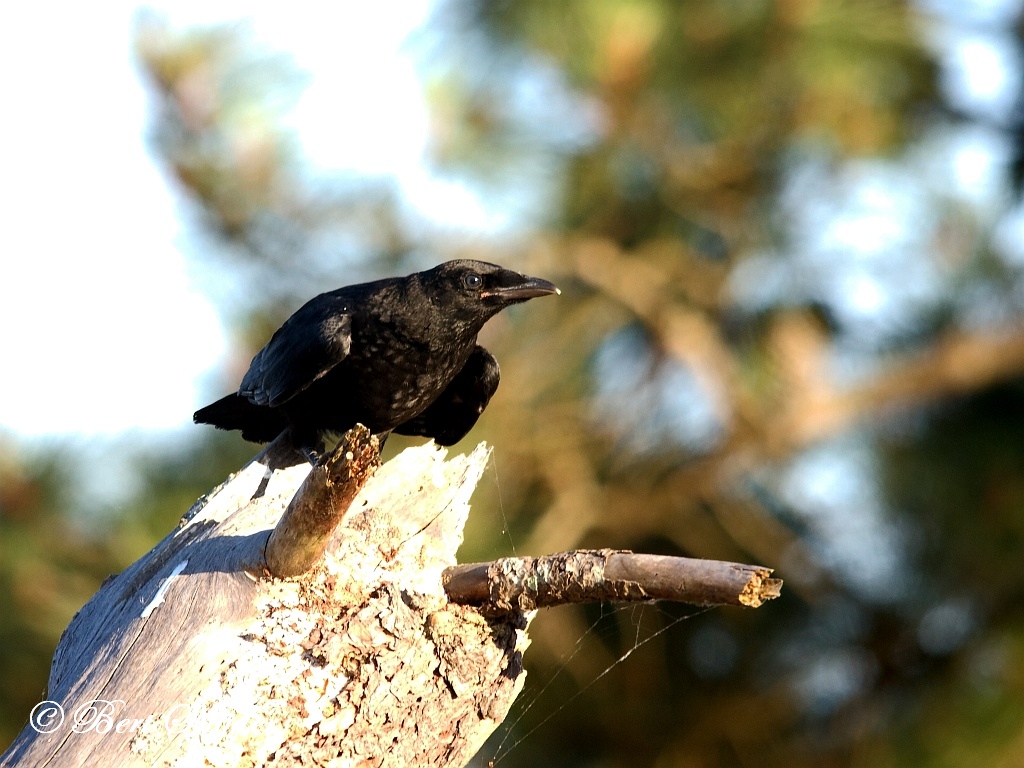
(787, 335)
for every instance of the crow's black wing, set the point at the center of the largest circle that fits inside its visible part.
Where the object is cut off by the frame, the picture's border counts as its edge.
(457, 409)
(309, 344)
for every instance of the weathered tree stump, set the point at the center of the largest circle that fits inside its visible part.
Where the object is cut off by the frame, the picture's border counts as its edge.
(375, 649)
(195, 655)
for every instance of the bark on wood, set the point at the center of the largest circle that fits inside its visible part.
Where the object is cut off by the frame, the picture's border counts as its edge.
(300, 538)
(190, 657)
(198, 655)
(587, 576)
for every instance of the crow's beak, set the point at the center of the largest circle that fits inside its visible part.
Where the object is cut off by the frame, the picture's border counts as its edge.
(526, 288)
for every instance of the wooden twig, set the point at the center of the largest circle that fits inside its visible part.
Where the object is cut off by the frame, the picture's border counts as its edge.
(302, 534)
(587, 576)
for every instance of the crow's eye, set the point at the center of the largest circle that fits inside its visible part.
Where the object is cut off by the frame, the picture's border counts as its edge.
(472, 281)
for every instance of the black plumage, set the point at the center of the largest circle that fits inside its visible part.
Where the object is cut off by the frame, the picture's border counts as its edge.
(398, 354)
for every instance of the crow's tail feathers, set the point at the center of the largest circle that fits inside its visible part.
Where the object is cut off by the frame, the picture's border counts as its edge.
(259, 424)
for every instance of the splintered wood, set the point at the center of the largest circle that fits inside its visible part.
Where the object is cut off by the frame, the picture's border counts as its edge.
(361, 661)
(376, 650)
(304, 531)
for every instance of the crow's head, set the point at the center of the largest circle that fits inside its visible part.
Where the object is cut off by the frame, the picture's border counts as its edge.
(476, 290)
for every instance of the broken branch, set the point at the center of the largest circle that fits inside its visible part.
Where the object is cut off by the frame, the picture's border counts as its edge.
(587, 576)
(301, 536)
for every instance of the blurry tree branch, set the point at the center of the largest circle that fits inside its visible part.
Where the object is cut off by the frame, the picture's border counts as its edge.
(220, 99)
(809, 403)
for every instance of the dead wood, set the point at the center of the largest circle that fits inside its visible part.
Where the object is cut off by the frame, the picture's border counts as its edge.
(301, 536)
(588, 576)
(198, 654)
(193, 657)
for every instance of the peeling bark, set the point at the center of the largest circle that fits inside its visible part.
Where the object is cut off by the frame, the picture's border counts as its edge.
(589, 576)
(189, 657)
(301, 536)
(376, 650)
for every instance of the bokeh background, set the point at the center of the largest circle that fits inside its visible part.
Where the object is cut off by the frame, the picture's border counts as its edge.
(791, 246)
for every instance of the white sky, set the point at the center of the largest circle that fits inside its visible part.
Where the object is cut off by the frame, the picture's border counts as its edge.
(101, 330)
